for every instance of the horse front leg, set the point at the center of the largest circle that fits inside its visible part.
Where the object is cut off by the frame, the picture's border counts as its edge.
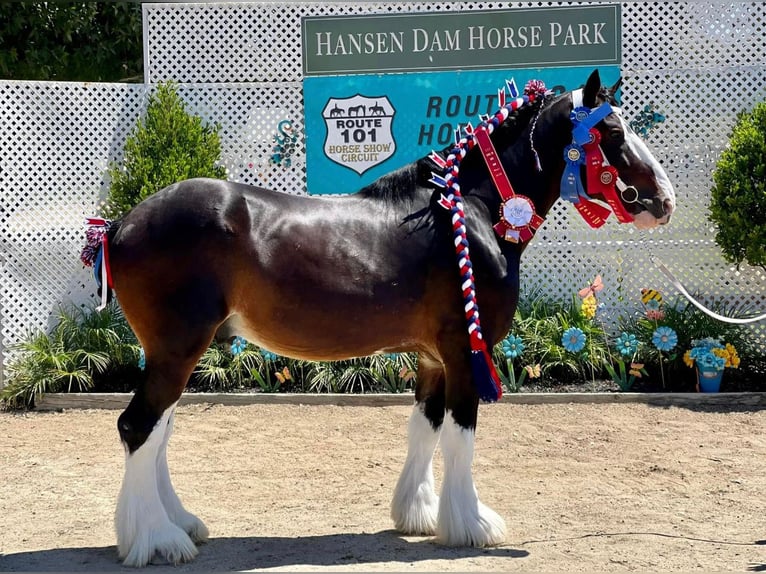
(463, 520)
(415, 505)
(178, 515)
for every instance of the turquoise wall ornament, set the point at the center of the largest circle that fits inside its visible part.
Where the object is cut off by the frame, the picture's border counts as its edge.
(284, 144)
(646, 120)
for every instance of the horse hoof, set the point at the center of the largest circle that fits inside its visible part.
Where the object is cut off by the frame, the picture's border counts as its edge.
(480, 527)
(193, 526)
(169, 544)
(418, 517)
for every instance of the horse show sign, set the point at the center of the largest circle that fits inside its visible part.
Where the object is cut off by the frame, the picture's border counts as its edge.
(383, 90)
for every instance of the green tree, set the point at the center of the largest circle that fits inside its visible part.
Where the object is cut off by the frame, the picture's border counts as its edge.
(77, 41)
(738, 203)
(167, 145)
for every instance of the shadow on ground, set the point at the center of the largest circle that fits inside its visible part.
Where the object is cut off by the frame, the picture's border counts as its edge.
(231, 554)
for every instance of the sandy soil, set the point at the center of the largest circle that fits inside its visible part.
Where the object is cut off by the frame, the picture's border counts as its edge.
(582, 488)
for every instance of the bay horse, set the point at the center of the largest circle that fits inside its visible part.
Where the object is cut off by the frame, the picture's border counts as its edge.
(329, 278)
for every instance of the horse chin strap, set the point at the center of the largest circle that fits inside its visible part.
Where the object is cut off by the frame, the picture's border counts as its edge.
(602, 179)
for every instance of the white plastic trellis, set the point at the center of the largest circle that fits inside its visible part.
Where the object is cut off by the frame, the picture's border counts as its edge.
(698, 63)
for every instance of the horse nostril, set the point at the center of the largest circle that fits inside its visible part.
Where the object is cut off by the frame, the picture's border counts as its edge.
(669, 207)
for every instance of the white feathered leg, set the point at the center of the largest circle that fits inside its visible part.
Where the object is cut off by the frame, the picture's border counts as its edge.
(178, 515)
(463, 519)
(415, 504)
(142, 524)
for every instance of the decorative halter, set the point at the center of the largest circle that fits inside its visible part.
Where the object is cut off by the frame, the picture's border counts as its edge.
(518, 220)
(601, 177)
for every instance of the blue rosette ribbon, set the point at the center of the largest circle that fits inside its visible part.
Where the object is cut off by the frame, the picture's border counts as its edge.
(583, 119)
(571, 182)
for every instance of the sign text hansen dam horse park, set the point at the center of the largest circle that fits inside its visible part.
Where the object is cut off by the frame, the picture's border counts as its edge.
(383, 90)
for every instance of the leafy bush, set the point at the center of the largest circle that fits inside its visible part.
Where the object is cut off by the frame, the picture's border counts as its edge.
(168, 145)
(738, 202)
(81, 348)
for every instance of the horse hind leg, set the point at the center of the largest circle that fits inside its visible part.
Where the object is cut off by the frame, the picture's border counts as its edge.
(415, 505)
(463, 519)
(141, 520)
(178, 515)
(150, 518)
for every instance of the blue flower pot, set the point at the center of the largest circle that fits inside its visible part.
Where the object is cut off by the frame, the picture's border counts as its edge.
(709, 380)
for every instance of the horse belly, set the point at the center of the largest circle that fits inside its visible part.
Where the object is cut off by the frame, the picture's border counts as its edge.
(317, 323)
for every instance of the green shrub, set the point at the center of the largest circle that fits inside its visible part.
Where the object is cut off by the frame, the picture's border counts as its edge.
(83, 346)
(738, 202)
(168, 145)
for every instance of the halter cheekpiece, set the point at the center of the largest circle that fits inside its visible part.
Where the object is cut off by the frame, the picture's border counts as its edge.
(602, 179)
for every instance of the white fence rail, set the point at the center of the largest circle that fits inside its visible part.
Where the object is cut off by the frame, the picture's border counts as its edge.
(699, 63)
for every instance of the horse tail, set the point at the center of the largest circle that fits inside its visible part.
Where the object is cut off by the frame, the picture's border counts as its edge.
(95, 254)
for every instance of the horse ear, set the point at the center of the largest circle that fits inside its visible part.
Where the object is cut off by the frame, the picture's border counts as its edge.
(617, 84)
(592, 87)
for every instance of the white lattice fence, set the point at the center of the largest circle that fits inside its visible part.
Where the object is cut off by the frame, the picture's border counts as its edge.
(240, 66)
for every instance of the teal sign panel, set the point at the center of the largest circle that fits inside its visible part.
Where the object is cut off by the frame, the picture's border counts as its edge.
(361, 126)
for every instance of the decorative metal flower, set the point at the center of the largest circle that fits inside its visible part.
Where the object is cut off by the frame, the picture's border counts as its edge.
(512, 347)
(238, 345)
(269, 356)
(711, 361)
(664, 338)
(573, 340)
(655, 314)
(627, 344)
(710, 353)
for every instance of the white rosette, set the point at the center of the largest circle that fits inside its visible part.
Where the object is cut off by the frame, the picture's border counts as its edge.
(517, 211)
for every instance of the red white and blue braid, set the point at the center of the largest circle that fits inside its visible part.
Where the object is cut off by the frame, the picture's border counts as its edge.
(485, 376)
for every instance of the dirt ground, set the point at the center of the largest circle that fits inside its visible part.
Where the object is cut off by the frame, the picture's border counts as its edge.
(582, 488)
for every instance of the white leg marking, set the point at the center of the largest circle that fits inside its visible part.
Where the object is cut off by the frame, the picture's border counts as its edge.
(142, 524)
(178, 515)
(463, 519)
(415, 505)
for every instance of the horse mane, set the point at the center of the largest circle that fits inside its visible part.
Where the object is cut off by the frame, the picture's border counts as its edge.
(400, 184)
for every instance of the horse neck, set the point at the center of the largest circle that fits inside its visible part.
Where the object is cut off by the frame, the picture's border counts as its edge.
(552, 133)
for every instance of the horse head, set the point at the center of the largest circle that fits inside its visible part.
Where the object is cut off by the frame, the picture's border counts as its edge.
(643, 187)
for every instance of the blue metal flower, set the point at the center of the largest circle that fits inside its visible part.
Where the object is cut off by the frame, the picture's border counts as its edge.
(238, 345)
(512, 347)
(573, 340)
(664, 338)
(269, 356)
(627, 344)
(711, 361)
(141, 359)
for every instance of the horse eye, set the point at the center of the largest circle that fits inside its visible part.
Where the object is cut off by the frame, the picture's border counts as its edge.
(616, 134)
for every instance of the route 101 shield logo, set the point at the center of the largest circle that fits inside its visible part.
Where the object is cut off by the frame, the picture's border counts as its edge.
(359, 132)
